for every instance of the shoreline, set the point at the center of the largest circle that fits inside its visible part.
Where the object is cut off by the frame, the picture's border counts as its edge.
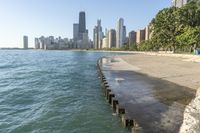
(188, 57)
(118, 81)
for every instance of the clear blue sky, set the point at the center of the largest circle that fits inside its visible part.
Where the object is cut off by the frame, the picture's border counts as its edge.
(56, 17)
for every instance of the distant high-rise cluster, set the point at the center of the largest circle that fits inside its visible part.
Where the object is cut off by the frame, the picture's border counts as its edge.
(117, 38)
(80, 38)
(179, 3)
(113, 38)
(80, 33)
(51, 43)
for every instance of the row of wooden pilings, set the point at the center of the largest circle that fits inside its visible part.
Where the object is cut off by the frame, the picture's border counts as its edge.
(110, 96)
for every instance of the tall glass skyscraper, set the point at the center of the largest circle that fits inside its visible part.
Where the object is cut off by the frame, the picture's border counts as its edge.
(75, 31)
(120, 33)
(81, 39)
(82, 22)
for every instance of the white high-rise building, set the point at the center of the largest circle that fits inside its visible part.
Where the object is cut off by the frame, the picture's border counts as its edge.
(41, 40)
(179, 3)
(25, 39)
(98, 35)
(105, 43)
(147, 33)
(107, 35)
(120, 33)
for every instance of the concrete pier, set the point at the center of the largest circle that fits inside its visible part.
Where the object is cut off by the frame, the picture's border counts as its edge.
(144, 103)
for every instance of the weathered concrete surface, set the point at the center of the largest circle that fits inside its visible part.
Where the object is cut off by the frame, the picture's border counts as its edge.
(155, 104)
(174, 69)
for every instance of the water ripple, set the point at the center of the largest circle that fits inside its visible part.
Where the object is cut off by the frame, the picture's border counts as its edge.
(53, 92)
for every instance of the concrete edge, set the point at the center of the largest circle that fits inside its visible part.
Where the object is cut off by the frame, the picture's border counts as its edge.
(115, 103)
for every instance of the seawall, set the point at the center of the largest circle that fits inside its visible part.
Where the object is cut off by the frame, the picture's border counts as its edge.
(144, 103)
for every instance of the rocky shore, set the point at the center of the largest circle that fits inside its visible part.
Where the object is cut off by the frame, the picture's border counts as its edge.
(191, 122)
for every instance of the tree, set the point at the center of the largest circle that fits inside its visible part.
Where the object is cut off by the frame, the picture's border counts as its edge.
(164, 28)
(190, 38)
(189, 15)
(145, 46)
(133, 47)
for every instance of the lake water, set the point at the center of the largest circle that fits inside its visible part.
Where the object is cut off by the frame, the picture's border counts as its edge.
(53, 92)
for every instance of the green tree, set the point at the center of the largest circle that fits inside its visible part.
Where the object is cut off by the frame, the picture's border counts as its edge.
(145, 46)
(164, 28)
(133, 47)
(190, 38)
(189, 15)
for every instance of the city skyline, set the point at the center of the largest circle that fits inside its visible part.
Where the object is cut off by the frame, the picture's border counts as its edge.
(58, 21)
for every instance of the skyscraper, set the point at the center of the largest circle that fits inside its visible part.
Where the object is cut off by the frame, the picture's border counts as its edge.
(132, 37)
(124, 35)
(140, 36)
(98, 35)
(95, 37)
(42, 42)
(25, 39)
(85, 41)
(120, 33)
(104, 43)
(112, 38)
(107, 35)
(82, 24)
(80, 33)
(37, 43)
(75, 32)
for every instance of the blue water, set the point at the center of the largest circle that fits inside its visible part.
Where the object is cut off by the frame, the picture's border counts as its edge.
(53, 92)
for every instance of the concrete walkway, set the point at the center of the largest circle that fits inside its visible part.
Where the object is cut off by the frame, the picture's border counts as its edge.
(152, 90)
(181, 70)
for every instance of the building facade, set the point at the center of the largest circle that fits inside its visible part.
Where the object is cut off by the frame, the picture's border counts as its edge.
(25, 40)
(82, 25)
(107, 36)
(124, 35)
(179, 3)
(147, 33)
(51, 43)
(37, 43)
(132, 37)
(140, 36)
(120, 33)
(104, 43)
(75, 31)
(112, 38)
(98, 35)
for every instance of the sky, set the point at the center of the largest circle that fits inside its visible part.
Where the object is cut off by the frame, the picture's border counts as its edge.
(35, 18)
